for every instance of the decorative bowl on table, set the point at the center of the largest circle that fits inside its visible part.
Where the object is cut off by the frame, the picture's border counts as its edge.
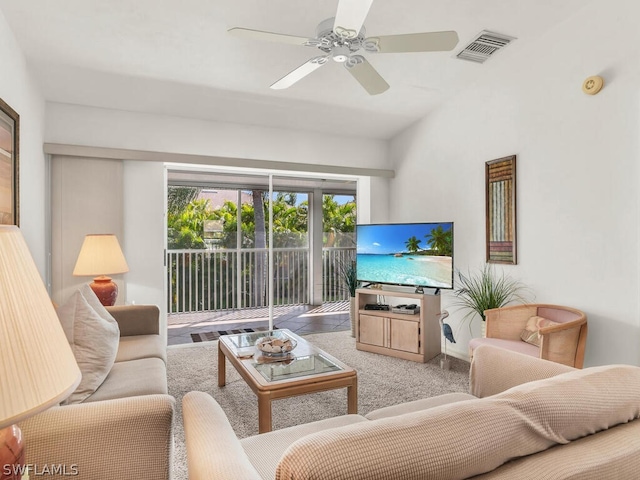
(275, 346)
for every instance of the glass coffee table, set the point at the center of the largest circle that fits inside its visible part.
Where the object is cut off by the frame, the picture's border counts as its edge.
(306, 369)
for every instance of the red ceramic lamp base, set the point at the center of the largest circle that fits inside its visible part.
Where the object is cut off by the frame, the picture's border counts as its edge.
(105, 289)
(11, 453)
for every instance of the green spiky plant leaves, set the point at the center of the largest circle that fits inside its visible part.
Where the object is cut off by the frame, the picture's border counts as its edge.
(350, 276)
(486, 289)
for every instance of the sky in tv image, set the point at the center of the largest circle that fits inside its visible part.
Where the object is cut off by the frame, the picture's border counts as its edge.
(406, 254)
(392, 238)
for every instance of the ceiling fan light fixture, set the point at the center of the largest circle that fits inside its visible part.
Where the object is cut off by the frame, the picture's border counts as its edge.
(341, 54)
(342, 37)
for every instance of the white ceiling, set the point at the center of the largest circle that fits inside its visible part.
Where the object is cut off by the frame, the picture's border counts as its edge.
(177, 58)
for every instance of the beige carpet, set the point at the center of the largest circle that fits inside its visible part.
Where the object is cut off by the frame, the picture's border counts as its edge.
(382, 381)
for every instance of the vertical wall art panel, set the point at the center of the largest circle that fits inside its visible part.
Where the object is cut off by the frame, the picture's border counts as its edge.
(501, 210)
(9, 150)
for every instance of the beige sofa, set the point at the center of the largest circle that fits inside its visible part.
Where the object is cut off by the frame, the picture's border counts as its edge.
(525, 418)
(124, 429)
(140, 366)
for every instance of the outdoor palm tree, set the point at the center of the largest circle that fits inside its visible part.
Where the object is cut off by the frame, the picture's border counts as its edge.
(186, 227)
(179, 197)
(337, 218)
(260, 242)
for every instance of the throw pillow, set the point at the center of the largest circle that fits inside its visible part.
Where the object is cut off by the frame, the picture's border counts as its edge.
(93, 300)
(93, 335)
(530, 333)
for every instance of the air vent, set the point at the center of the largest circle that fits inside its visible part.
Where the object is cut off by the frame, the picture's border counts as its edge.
(484, 46)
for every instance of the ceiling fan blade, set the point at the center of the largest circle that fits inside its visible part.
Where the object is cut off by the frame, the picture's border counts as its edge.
(268, 36)
(413, 42)
(366, 75)
(350, 17)
(299, 73)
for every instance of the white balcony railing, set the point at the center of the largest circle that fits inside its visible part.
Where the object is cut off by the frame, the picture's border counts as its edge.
(223, 279)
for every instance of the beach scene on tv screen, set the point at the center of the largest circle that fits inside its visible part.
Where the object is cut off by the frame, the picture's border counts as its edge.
(406, 254)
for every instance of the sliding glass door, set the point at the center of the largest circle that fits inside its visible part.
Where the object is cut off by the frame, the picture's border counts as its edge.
(219, 241)
(234, 245)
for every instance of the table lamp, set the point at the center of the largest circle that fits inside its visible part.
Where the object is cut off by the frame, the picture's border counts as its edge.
(37, 367)
(101, 255)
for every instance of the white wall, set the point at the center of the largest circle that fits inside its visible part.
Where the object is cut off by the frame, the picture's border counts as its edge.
(577, 172)
(86, 198)
(373, 199)
(19, 90)
(99, 127)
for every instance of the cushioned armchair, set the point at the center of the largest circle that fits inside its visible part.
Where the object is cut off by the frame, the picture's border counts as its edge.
(550, 332)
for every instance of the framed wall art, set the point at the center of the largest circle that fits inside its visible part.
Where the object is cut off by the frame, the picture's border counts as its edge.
(500, 179)
(9, 162)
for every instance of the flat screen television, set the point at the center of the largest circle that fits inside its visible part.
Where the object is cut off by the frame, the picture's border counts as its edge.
(405, 254)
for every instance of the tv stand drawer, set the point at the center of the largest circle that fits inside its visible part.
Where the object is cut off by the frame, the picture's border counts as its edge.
(372, 329)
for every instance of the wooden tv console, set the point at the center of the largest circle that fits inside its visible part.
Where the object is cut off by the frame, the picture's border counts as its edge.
(414, 337)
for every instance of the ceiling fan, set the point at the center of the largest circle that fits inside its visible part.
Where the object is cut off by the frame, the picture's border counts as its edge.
(341, 37)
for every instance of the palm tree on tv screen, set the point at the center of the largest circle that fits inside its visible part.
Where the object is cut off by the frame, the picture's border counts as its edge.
(413, 244)
(441, 241)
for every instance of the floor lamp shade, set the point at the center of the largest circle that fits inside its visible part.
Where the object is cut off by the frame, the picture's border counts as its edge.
(37, 367)
(100, 256)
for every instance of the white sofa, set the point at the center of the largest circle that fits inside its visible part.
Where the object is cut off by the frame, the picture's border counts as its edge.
(525, 418)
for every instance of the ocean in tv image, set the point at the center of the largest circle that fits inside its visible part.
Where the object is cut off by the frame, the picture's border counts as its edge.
(417, 254)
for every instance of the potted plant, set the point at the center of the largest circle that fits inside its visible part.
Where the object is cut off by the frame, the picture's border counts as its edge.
(486, 289)
(350, 281)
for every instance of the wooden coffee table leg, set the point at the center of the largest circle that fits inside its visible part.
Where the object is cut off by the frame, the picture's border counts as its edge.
(352, 397)
(264, 413)
(222, 368)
